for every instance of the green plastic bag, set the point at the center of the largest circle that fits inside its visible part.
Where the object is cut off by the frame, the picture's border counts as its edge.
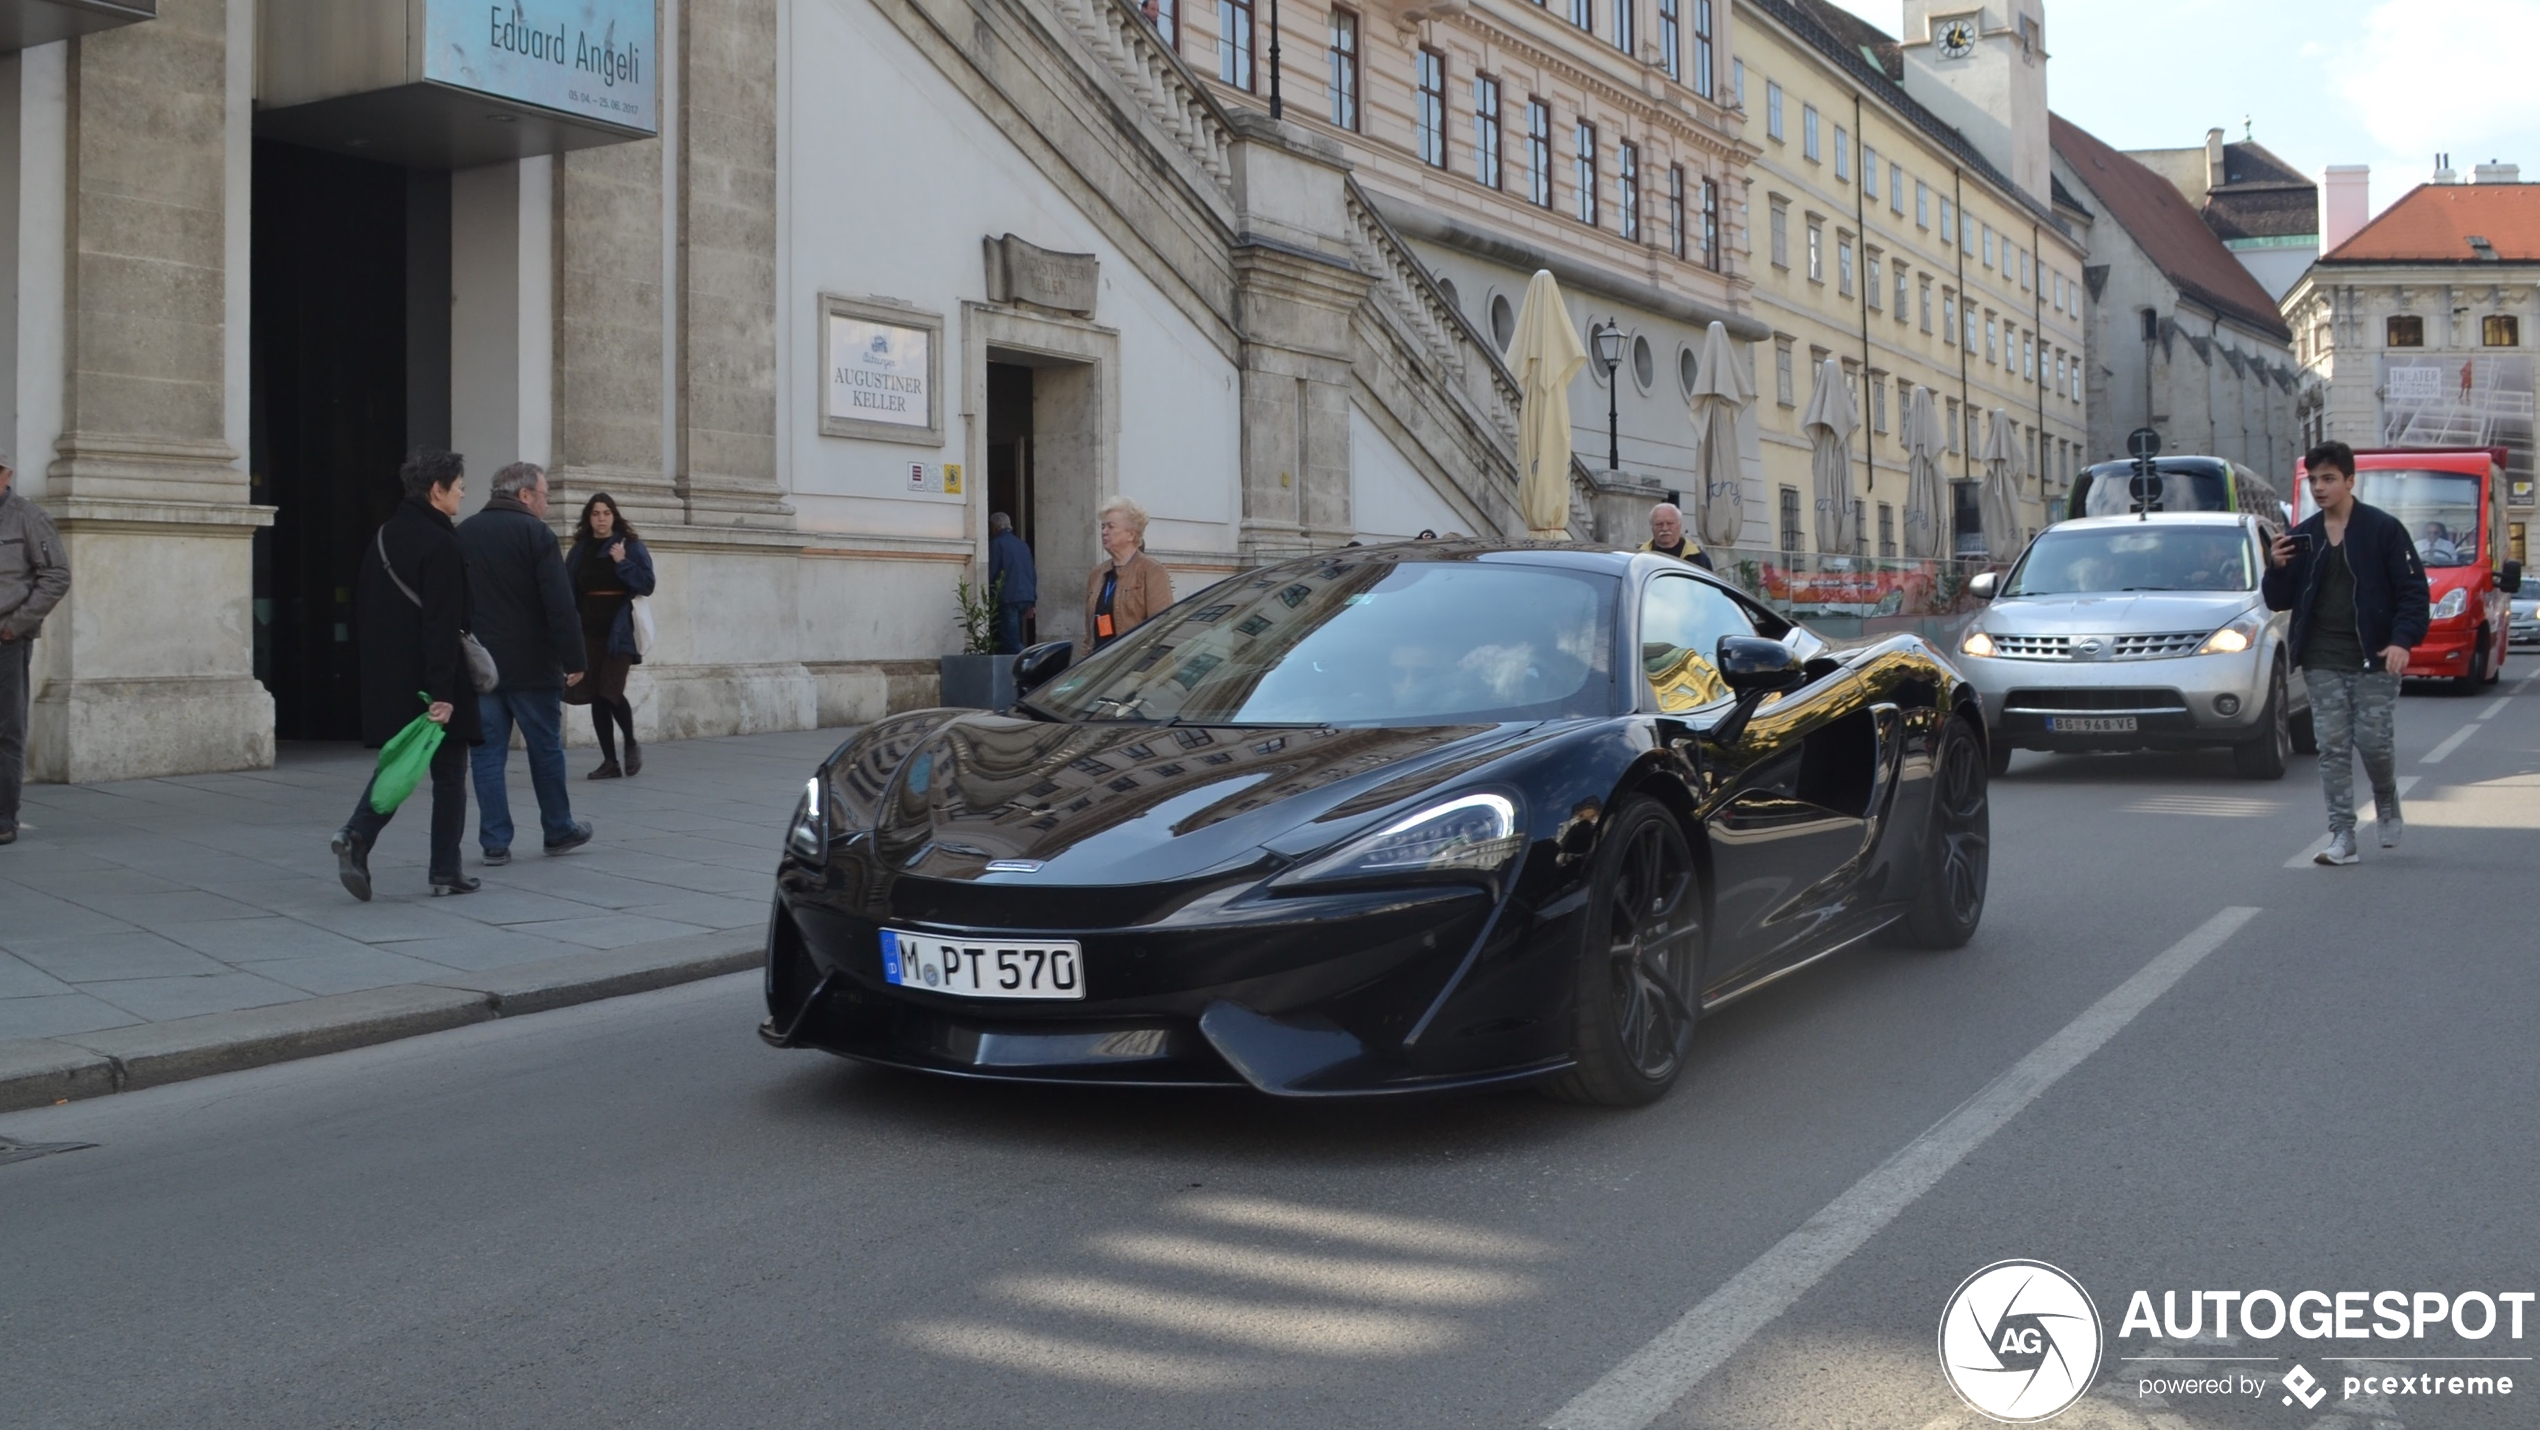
(403, 760)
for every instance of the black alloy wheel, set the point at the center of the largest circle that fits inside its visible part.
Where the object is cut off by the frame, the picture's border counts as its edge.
(1958, 847)
(2263, 756)
(1639, 964)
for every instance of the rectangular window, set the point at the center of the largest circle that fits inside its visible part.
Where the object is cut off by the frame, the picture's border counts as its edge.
(1773, 110)
(2028, 270)
(1870, 289)
(1992, 337)
(1816, 252)
(1585, 177)
(1583, 14)
(1887, 529)
(1677, 242)
(1428, 116)
(2076, 379)
(1737, 81)
(1969, 312)
(1896, 188)
(1988, 245)
(1948, 316)
(1711, 225)
(1234, 43)
(1342, 60)
(1808, 145)
(1783, 390)
(1869, 172)
(1966, 234)
(1922, 204)
(1948, 222)
(2028, 357)
(1166, 17)
(1671, 39)
(1486, 130)
(1904, 406)
(1923, 284)
(1842, 155)
(2059, 292)
(1860, 530)
(1539, 152)
(2405, 331)
(1843, 264)
(1702, 64)
(2501, 330)
(1627, 190)
(1781, 235)
(1955, 425)
(1900, 298)
(1626, 30)
(1790, 535)
(1878, 401)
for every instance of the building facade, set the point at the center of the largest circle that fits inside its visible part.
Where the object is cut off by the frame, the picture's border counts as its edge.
(259, 249)
(2418, 330)
(2265, 211)
(2183, 337)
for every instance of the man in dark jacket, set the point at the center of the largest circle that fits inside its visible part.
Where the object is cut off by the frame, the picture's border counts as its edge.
(2352, 579)
(410, 606)
(1013, 579)
(34, 576)
(525, 615)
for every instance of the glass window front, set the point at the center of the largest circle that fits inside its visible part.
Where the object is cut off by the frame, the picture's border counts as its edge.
(2439, 509)
(2136, 558)
(1681, 622)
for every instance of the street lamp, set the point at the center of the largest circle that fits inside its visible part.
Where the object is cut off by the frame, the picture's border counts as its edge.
(1609, 351)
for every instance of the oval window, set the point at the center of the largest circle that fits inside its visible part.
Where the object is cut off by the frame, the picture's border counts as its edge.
(1503, 320)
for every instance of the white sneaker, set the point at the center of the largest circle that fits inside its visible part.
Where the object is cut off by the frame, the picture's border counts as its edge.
(2392, 826)
(2340, 850)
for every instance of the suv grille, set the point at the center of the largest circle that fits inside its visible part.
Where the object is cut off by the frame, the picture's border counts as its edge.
(2144, 647)
(2034, 647)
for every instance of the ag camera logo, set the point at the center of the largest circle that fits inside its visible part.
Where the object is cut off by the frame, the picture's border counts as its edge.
(2020, 1341)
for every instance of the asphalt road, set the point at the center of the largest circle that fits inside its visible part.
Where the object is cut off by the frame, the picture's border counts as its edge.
(632, 1213)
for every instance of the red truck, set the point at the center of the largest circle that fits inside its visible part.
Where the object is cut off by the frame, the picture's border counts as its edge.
(2452, 500)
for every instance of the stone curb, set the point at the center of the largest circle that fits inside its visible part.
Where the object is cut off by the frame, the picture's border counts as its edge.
(38, 1072)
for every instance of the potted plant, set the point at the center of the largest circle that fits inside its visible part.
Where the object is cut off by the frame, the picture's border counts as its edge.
(978, 677)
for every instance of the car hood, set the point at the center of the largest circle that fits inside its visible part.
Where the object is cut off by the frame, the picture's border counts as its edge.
(2116, 613)
(1122, 803)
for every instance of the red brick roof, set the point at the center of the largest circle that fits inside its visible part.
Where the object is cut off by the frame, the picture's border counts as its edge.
(2433, 223)
(2168, 229)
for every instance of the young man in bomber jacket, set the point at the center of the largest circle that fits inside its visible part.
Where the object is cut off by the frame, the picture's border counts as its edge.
(2352, 579)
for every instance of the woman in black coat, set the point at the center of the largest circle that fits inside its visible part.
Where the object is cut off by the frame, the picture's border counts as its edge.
(410, 606)
(610, 567)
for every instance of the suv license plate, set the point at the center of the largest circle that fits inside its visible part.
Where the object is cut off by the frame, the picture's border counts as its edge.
(1042, 968)
(2090, 724)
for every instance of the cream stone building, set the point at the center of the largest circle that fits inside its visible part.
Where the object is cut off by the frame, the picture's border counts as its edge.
(811, 286)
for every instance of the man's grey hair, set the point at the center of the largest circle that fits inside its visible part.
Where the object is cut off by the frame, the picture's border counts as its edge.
(519, 477)
(999, 521)
(1668, 507)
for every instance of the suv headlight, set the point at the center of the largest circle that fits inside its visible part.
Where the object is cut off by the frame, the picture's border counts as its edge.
(2236, 637)
(808, 835)
(1469, 836)
(1976, 643)
(2453, 603)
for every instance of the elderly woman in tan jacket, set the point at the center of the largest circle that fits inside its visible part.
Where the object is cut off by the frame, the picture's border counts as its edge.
(1129, 587)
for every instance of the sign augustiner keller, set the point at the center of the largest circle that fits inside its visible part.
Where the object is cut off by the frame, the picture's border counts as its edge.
(879, 372)
(590, 58)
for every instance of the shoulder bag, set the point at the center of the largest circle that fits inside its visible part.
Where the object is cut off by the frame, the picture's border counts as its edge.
(481, 671)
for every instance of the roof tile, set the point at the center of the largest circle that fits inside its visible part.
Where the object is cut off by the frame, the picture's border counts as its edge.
(2432, 223)
(2168, 229)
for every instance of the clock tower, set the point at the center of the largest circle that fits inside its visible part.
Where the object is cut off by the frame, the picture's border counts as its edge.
(1981, 66)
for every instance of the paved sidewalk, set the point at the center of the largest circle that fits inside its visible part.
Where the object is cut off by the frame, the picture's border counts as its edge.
(146, 901)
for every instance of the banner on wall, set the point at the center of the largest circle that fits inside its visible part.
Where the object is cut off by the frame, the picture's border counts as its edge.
(593, 59)
(2434, 401)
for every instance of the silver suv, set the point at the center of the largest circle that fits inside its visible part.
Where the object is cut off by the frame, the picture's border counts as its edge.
(2130, 633)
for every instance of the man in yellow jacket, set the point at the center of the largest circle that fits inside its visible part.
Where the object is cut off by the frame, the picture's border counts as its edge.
(1667, 536)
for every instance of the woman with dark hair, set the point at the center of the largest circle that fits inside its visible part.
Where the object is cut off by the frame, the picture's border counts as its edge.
(610, 568)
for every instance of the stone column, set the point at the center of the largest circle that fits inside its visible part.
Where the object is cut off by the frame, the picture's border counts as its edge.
(151, 659)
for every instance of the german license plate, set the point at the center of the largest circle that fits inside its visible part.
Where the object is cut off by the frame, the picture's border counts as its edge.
(1042, 968)
(2090, 724)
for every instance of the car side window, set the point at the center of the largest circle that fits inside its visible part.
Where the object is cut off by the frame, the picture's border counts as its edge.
(1681, 622)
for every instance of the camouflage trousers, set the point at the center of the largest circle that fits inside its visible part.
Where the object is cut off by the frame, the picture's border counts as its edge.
(2353, 712)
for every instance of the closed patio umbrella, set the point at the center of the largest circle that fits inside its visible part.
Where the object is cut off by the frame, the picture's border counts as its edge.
(1926, 524)
(1829, 423)
(2000, 502)
(1720, 393)
(1544, 354)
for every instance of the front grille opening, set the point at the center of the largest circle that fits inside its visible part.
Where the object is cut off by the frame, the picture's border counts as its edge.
(2115, 698)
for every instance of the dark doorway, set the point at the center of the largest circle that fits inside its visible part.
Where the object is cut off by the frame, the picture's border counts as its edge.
(1010, 454)
(339, 244)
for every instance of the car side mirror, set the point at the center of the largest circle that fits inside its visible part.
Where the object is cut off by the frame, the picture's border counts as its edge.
(2509, 580)
(1035, 668)
(1984, 584)
(1753, 668)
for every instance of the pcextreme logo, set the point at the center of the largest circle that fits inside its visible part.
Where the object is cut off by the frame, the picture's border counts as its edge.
(2019, 1341)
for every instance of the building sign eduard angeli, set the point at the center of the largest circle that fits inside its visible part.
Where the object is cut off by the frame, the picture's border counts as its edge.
(592, 59)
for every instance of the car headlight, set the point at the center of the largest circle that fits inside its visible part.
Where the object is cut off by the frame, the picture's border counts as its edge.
(1468, 836)
(2453, 603)
(1976, 643)
(2236, 637)
(808, 835)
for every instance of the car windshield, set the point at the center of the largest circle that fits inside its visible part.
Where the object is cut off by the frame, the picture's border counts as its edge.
(2439, 509)
(1361, 642)
(2108, 490)
(2142, 557)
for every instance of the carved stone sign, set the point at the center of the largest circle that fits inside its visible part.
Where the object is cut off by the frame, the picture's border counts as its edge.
(1020, 272)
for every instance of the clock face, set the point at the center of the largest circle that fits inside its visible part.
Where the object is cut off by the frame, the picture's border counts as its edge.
(1958, 39)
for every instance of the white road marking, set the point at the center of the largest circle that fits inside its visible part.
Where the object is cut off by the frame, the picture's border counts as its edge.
(1657, 1375)
(2450, 743)
(2303, 859)
(2496, 707)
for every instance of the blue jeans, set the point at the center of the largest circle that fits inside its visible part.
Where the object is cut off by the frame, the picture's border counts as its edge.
(1010, 627)
(540, 715)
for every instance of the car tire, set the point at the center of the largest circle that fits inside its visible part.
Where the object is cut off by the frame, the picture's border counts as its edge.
(1957, 848)
(2496, 672)
(2263, 757)
(1639, 969)
(2477, 679)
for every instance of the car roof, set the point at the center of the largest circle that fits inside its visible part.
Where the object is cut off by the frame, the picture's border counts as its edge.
(1569, 555)
(2158, 518)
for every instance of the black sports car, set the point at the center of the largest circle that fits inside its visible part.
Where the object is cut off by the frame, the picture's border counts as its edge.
(1389, 820)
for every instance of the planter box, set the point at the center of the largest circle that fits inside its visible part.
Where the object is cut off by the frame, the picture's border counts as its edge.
(979, 682)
